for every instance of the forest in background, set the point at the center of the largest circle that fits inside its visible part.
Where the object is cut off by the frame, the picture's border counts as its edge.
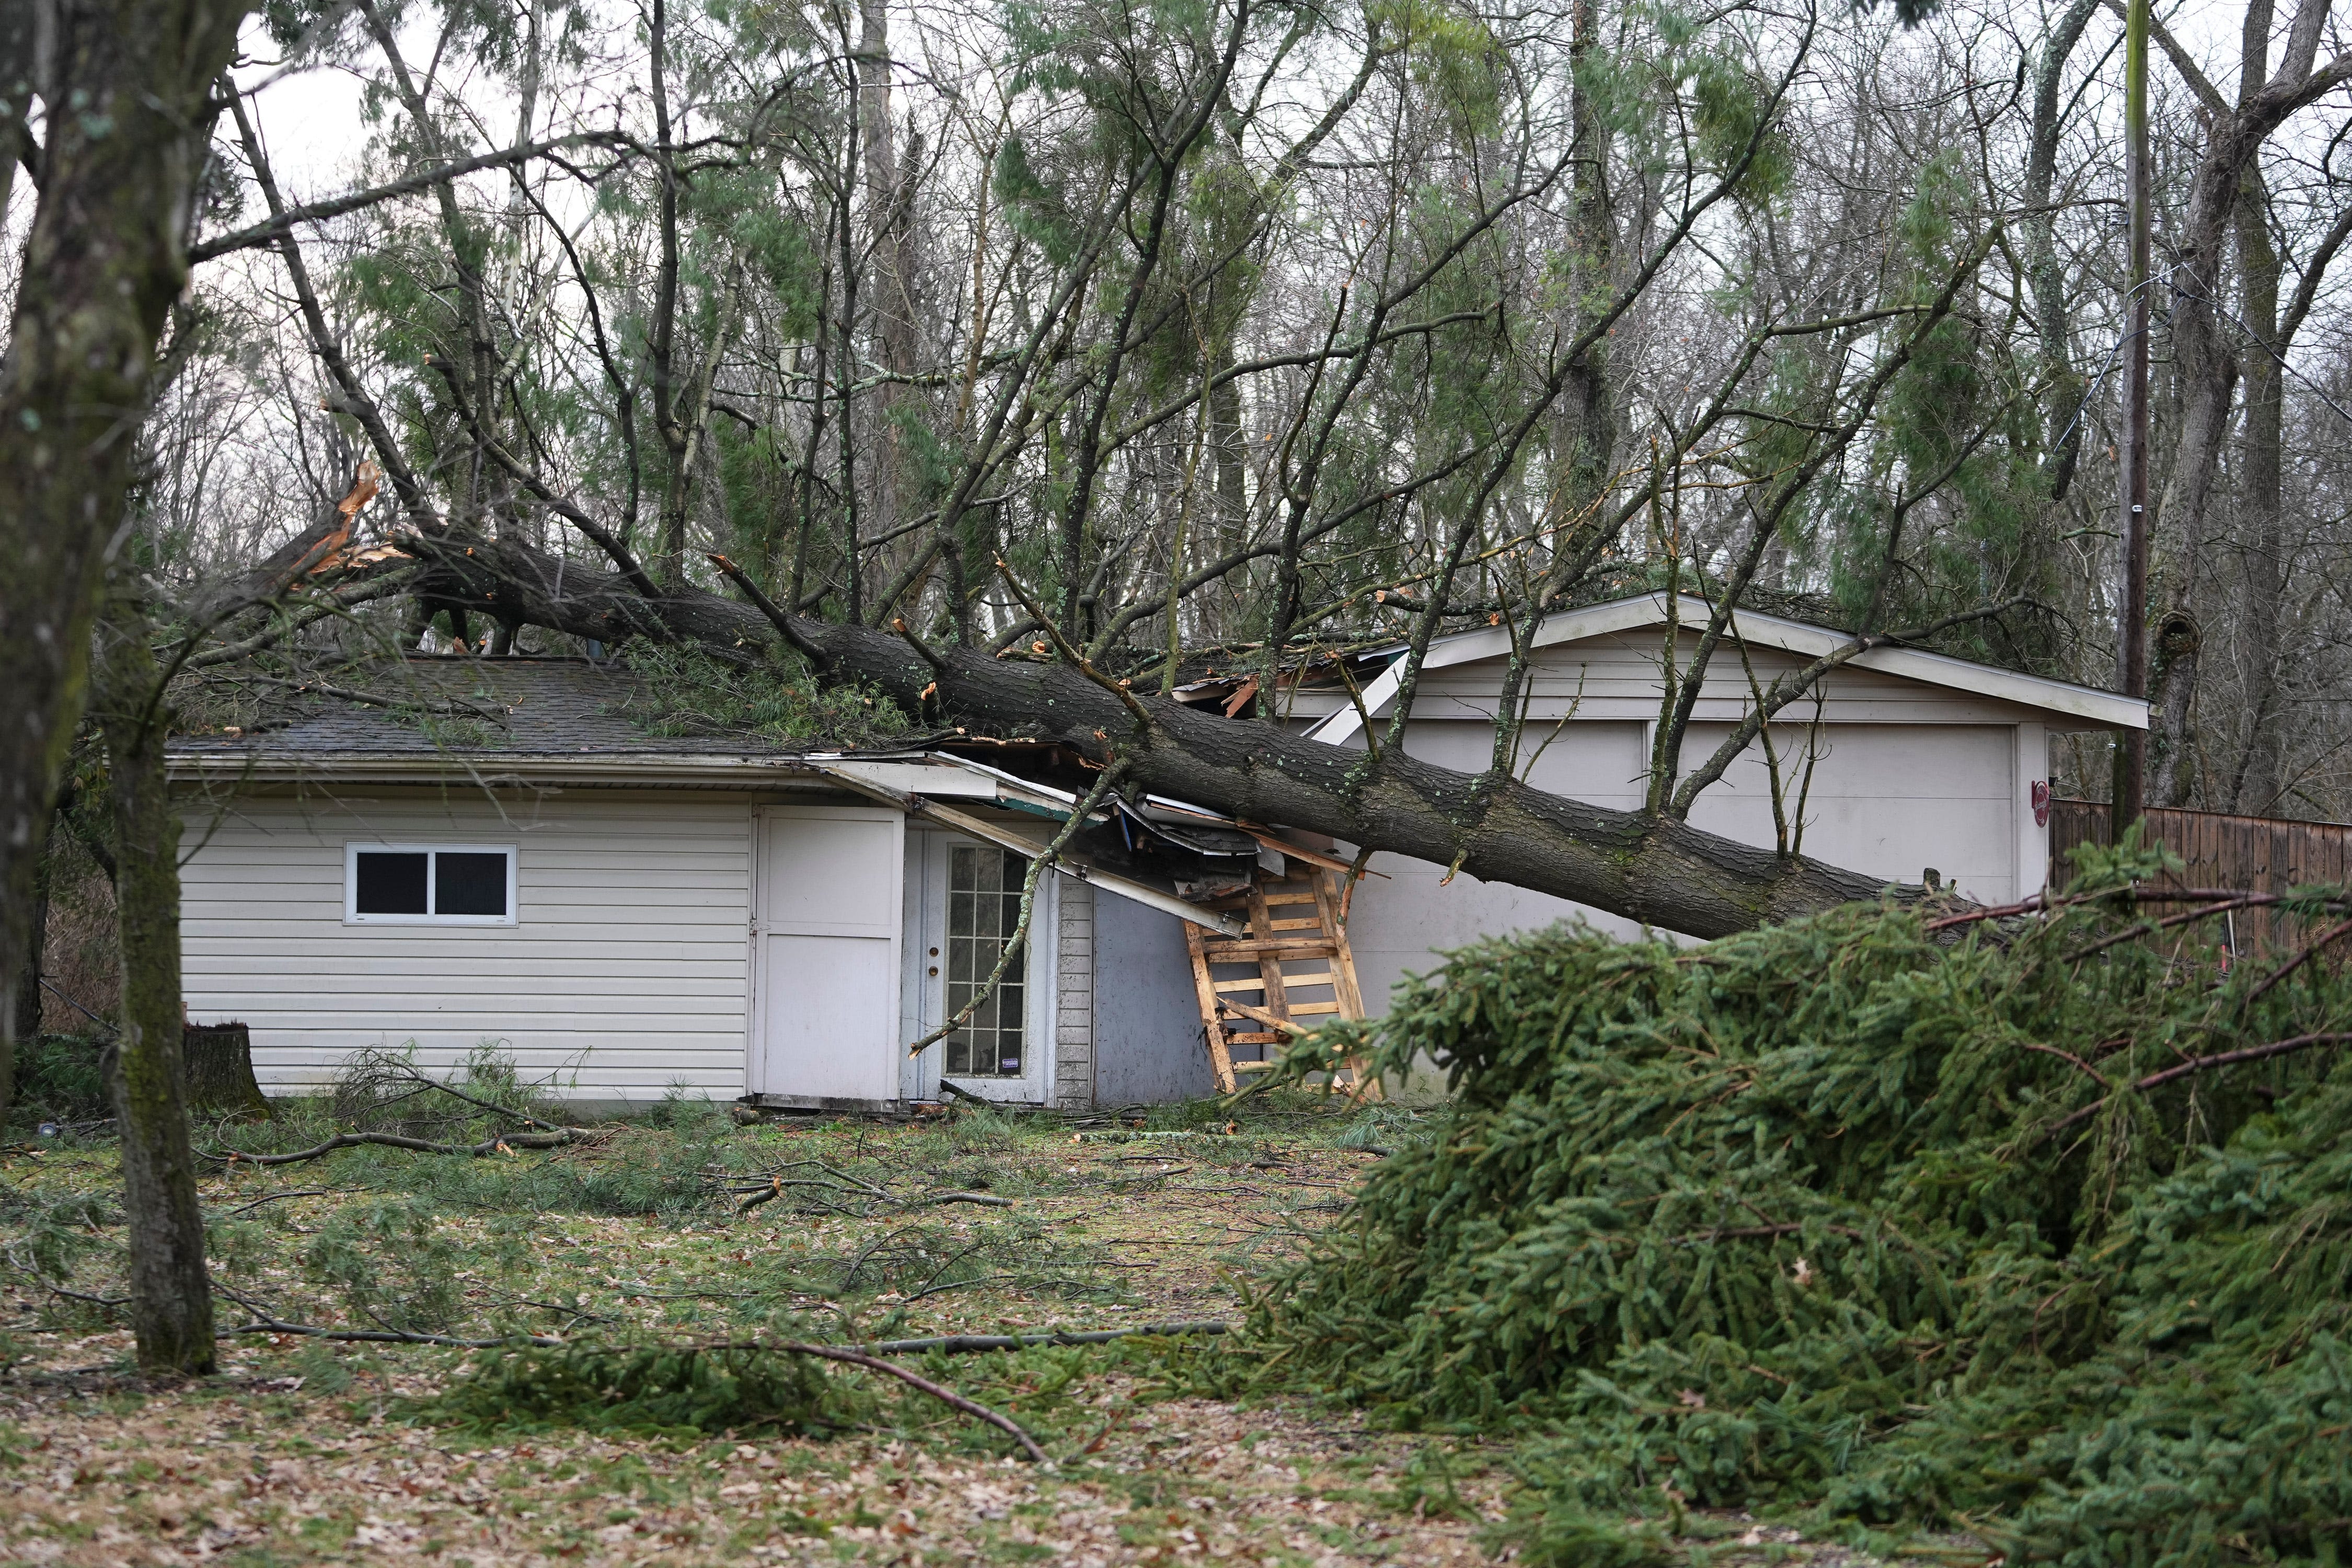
(1004, 369)
(1248, 333)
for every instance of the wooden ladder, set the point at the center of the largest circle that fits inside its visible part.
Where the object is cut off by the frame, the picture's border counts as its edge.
(1289, 970)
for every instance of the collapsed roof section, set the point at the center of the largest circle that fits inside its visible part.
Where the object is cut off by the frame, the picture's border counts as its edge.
(1167, 854)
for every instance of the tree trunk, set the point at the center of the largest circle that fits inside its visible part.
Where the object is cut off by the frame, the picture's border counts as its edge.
(2171, 755)
(1227, 456)
(25, 1023)
(2064, 399)
(105, 258)
(890, 213)
(2206, 368)
(218, 1059)
(171, 1295)
(1647, 868)
(2262, 584)
(21, 69)
(1585, 436)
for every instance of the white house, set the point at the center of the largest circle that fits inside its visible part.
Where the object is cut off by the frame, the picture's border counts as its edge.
(508, 858)
(512, 857)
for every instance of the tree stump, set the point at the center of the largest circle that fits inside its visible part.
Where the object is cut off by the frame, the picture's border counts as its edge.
(218, 1059)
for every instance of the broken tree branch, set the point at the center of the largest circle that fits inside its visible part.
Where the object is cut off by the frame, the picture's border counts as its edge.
(268, 1323)
(2197, 1065)
(947, 1397)
(2303, 956)
(2250, 1054)
(786, 625)
(285, 222)
(776, 1187)
(394, 1067)
(489, 1146)
(969, 1345)
(1071, 656)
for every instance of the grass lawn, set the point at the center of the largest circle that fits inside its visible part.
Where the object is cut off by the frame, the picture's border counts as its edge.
(304, 1451)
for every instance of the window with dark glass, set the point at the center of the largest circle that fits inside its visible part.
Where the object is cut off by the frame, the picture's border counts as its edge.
(983, 911)
(391, 882)
(398, 883)
(468, 884)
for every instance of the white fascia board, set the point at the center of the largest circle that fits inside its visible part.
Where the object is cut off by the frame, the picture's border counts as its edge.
(914, 777)
(2105, 708)
(1009, 790)
(1561, 626)
(2102, 707)
(1167, 808)
(402, 766)
(1002, 779)
(1648, 611)
(1345, 724)
(1491, 642)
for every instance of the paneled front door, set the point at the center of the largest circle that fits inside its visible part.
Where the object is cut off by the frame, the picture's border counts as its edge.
(826, 939)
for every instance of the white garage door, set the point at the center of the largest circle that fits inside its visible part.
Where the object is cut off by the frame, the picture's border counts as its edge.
(1892, 800)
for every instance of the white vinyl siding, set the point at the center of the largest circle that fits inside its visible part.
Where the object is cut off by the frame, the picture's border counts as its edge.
(1888, 800)
(624, 972)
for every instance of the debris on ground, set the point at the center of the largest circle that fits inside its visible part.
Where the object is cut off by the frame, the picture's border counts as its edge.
(1875, 1222)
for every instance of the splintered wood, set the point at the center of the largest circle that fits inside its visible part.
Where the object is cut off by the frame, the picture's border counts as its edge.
(1289, 971)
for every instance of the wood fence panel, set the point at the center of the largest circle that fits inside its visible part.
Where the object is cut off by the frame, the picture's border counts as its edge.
(2258, 854)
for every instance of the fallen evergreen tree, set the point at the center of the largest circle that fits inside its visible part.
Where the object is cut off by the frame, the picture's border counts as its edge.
(2045, 1239)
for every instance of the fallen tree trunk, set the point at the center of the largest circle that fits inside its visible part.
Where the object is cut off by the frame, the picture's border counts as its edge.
(1658, 871)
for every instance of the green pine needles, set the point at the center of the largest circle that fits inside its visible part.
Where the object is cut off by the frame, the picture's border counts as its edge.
(1850, 1218)
(682, 1389)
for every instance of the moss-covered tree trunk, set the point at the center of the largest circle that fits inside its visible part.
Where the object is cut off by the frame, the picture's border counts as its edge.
(170, 1294)
(105, 257)
(26, 1004)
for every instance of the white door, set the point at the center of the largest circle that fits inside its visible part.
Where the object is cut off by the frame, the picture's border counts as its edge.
(964, 903)
(825, 937)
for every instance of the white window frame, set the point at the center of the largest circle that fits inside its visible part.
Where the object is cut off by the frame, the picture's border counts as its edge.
(355, 849)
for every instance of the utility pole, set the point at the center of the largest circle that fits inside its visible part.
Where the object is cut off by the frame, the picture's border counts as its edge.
(2131, 618)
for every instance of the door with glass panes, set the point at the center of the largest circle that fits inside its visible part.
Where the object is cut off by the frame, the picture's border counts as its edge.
(963, 904)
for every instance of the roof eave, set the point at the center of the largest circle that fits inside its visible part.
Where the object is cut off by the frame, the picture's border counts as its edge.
(384, 766)
(2093, 709)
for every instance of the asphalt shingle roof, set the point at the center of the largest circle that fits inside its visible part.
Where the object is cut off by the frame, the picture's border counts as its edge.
(441, 706)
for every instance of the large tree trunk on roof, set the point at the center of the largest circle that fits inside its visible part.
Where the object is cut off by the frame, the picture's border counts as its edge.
(1658, 871)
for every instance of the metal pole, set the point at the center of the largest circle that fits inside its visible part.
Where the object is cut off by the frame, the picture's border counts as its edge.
(2131, 618)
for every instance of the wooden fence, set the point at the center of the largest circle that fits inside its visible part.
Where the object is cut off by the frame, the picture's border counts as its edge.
(2258, 854)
